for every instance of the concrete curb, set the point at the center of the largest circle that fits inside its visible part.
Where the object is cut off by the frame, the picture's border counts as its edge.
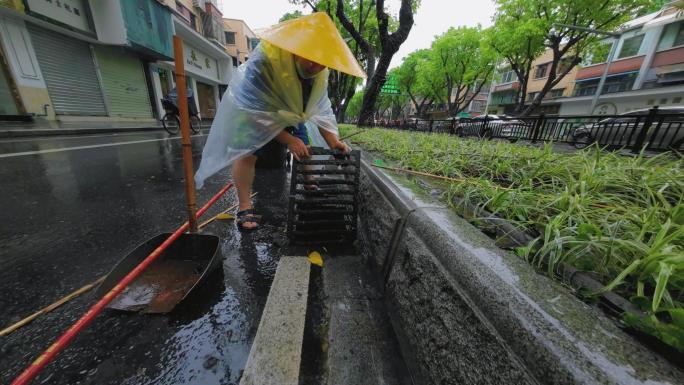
(276, 352)
(465, 311)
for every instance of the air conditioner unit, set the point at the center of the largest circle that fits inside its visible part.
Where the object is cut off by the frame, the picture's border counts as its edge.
(199, 3)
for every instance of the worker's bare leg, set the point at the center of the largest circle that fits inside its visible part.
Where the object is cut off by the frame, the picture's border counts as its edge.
(243, 176)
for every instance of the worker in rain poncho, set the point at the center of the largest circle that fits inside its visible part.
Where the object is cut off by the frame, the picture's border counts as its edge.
(279, 94)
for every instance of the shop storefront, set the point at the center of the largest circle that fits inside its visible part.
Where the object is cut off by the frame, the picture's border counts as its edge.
(124, 83)
(207, 68)
(203, 73)
(69, 71)
(207, 99)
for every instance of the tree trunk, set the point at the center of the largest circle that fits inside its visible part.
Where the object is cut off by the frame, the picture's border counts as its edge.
(342, 112)
(390, 45)
(554, 77)
(372, 91)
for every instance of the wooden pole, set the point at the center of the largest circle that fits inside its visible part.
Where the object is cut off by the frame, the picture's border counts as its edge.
(50, 308)
(185, 133)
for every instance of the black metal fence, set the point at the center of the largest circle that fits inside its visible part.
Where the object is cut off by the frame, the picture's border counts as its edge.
(652, 130)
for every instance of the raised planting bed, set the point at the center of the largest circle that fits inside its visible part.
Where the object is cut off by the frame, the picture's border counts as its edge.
(609, 223)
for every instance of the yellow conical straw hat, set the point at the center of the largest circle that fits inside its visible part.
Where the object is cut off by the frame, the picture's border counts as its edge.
(315, 37)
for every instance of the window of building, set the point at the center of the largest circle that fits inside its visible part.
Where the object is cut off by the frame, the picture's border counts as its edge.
(557, 93)
(183, 11)
(235, 62)
(650, 102)
(507, 76)
(677, 100)
(672, 36)
(662, 101)
(193, 22)
(586, 88)
(679, 37)
(619, 83)
(599, 53)
(532, 95)
(478, 105)
(541, 70)
(631, 46)
(563, 65)
(230, 37)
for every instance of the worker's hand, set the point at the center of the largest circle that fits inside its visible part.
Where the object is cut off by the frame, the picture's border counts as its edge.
(298, 149)
(340, 145)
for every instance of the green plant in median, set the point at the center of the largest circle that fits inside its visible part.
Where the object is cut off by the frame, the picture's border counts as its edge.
(621, 218)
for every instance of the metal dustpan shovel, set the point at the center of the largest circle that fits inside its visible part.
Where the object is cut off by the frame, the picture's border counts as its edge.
(182, 264)
(169, 279)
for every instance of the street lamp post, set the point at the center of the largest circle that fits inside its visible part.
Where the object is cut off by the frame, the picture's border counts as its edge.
(609, 59)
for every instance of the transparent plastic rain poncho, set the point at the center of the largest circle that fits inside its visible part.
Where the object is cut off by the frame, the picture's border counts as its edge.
(263, 98)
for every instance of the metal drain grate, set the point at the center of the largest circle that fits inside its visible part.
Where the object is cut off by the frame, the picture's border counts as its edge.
(323, 198)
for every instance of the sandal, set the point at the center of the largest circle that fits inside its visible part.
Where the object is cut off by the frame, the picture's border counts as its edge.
(247, 216)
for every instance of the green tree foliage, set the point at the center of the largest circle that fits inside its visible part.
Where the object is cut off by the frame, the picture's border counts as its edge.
(518, 42)
(354, 107)
(390, 35)
(290, 16)
(410, 81)
(538, 23)
(361, 14)
(459, 64)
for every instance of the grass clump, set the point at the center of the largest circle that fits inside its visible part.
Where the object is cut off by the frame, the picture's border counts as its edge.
(620, 218)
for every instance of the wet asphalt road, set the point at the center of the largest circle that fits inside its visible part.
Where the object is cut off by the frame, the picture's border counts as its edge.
(71, 208)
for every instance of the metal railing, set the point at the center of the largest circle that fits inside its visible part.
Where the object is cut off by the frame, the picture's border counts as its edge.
(654, 130)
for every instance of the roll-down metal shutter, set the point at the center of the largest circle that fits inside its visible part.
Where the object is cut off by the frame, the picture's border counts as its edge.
(124, 83)
(69, 72)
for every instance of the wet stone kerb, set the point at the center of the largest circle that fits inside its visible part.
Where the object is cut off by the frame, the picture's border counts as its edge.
(468, 312)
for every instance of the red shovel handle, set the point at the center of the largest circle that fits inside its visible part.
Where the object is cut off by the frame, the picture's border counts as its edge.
(41, 362)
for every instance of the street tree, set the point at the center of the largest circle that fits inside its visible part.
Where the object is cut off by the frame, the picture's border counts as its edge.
(362, 15)
(390, 35)
(462, 63)
(391, 98)
(290, 15)
(430, 85)
(354, 107)
(518, 42)
(408, 80)
(545, 22)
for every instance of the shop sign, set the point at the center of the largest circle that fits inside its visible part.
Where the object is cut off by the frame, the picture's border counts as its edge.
(69, 13)
(199, 63)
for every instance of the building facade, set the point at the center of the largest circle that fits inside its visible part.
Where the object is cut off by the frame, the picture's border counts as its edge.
(240, 40)
(95, 60)
(646, 69)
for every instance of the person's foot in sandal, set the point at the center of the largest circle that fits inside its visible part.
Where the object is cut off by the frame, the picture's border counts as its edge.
(247, 220)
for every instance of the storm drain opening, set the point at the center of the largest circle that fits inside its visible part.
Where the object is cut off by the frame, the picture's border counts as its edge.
(323, 203)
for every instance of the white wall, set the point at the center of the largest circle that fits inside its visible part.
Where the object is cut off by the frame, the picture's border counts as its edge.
(225, 71)
(16, 43)
(621, 103)
(108, 20)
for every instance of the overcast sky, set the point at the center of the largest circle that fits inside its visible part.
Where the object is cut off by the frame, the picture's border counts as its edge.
(434, 17)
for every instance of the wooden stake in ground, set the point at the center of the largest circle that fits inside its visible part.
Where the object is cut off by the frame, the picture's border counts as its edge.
(185, 133)
(50, 308)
